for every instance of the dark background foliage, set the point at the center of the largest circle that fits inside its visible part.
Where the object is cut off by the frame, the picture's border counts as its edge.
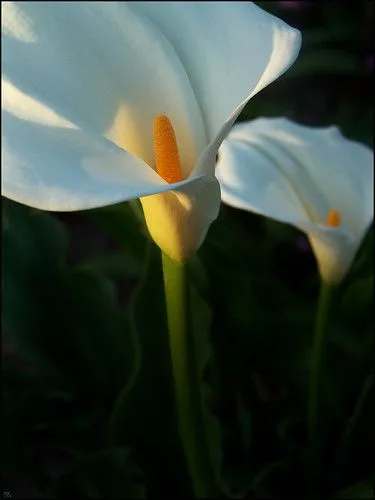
(87, 408)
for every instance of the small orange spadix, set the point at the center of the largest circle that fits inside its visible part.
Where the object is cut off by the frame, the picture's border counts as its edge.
(333, 218)
(167, 158)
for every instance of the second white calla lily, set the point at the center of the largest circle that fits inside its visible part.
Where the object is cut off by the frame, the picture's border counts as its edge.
(312, 178)
(82, 83)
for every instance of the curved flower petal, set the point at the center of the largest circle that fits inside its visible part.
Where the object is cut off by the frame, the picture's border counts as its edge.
(65, 169)
(250, 180)
(297, 174)
(230, 50)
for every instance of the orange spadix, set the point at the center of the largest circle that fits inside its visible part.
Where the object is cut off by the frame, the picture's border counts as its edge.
(333, 218)
(167, 158)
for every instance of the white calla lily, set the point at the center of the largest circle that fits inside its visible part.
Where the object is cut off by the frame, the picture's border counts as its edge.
(82, 83)
(312, 178)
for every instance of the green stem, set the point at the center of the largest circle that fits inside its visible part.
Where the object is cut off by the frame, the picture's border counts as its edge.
(186, 382)
(325, 297)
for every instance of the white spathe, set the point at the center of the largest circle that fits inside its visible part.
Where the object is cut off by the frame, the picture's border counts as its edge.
(297, 174)
(83, 81)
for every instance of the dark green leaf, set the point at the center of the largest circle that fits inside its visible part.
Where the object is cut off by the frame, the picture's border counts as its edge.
(107, 473)
(113, 265)
(121, 223)
(67, 323)
(358, 491)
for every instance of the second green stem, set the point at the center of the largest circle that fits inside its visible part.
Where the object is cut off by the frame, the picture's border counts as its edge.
(313, 413)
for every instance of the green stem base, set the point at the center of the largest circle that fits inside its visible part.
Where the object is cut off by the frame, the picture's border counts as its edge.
(313, 411)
